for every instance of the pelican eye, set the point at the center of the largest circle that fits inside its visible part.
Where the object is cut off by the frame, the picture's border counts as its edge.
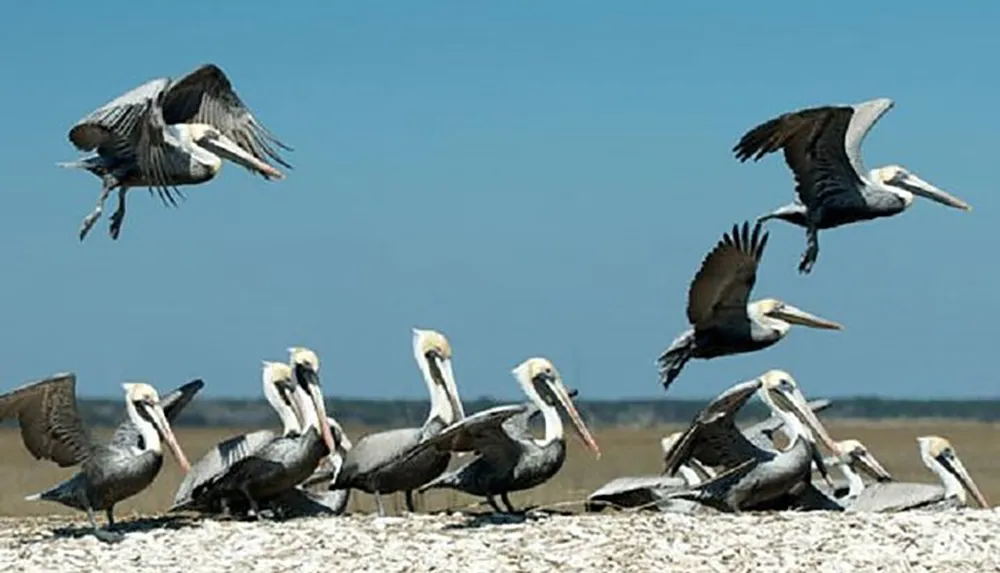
(786, 385)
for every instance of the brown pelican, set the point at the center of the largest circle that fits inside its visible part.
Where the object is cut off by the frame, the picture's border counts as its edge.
(51, 428)
(723, 321)
(822, 147)
(752, 475)
(505, 463)
(939, 455)
(279, 464)
(376, 464)
(853, 454)
(167, 133)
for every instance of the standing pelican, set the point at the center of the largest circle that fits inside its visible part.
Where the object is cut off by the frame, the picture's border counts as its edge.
(723, 321)
(167, 133)
(753, 475)
(51, 428)
(505, 463)
(376, 465)
(822, 147)
(937, 454)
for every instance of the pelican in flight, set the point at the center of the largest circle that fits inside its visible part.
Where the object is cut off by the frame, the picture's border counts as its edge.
(939, 456)
(379, 463)
(723, 321)
(751, 475)
(51, 428)
(822, 147)
(503, 462)
(167, 133)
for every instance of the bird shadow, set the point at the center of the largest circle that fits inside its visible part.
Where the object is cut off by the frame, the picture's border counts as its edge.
(141, 524)
(491, 518)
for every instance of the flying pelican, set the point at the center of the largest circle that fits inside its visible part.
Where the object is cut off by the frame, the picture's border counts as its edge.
(822, 147)
(376, 465)
(166, 133)
(752, 475)
(51, 428)
(723, 321)
(504, 463)
(937, 454)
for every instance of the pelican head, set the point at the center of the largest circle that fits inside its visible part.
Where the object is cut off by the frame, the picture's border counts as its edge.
(786, 314)
(906, 184)
(939, 455)
(432, 352)
(542, 382)
(305, 367)
(211, 139)
(780, 391)
(145, 401)
(857, 455)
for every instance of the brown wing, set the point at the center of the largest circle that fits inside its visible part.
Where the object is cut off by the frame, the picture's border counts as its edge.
(727, 275)
(813, 141)
(51, 427)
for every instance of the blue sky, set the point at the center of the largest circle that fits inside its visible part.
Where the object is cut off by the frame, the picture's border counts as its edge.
(529, 178)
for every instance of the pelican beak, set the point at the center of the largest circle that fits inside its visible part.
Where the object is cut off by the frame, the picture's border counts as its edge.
(918, 186)
(801, 408)
(228, 149)
(793, 315)
(955, 466)
(286, 388)
(159, 419)
(311, 379)
(562, 396)
(444, 376)
(869, 465)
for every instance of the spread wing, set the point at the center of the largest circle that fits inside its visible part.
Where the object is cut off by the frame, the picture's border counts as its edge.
(481, 432)
(109, 129)
(206, 96)
(51, 427)
(722, 286)
(127, 434)
(217, 461)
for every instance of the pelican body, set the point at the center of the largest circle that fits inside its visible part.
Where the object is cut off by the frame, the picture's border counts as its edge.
(379, 463)
(822, 147)
(52, 429)
(168, 133)
(723, 320)
(504, 462)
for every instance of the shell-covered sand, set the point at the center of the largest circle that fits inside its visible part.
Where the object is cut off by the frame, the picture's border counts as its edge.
(956, 541)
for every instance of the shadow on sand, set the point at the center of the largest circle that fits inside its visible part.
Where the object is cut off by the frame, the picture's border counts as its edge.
(130, 526)
(485, 519)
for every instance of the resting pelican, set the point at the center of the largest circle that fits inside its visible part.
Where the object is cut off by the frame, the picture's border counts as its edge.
(937, 454)
(752, 475)
(723, 320)
(822, 147)
(503, 462)
(376, 464)
(52, 429)
(853, 454)
(167, 133)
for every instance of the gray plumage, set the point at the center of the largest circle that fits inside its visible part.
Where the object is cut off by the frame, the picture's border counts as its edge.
(193, 493)
(822, 147)
(167, 133)
(761, 434)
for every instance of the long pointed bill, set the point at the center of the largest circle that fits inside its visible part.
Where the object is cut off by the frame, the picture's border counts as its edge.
(918, 186)
(581, 429)
(228, 149)
(317, 398)
(868, 464)
(163, 427)
(793, 315)
(802, 410)
(450, 388)
(956, 467)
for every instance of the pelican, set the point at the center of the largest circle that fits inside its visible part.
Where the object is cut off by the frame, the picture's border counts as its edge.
(166, 133)
(822, 147)
(376, 464)
(937, 454)
(762, 433)
(854, 454)
(723, 321)
(51, 428)
(752, 476)
(505, 463)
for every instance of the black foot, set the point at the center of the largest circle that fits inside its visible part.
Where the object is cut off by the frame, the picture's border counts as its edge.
(808, 260)
(108, 536)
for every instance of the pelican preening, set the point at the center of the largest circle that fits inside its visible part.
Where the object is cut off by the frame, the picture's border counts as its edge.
(822, 147)
(723, 320)
(52, 429)
(167, 133)
(504, 462)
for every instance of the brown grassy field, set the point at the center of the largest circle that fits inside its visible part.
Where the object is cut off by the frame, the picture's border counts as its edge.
(625, 452)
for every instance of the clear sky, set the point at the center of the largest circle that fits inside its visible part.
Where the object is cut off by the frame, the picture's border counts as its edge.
(530, 178)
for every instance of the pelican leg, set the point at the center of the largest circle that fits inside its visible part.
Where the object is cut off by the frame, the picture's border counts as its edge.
(118, 217)
(493, 504)
(110, 514)
(254, 511)
(506, 501)
(102, 534)
(812, 250)
(90, 219)
(410, 506)
(378, 505)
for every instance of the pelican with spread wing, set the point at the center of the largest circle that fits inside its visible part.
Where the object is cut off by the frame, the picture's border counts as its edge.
(822, 147)
(723, 320)
(167, 133)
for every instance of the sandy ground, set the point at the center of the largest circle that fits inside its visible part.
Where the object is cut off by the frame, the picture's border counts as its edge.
(954, 541)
